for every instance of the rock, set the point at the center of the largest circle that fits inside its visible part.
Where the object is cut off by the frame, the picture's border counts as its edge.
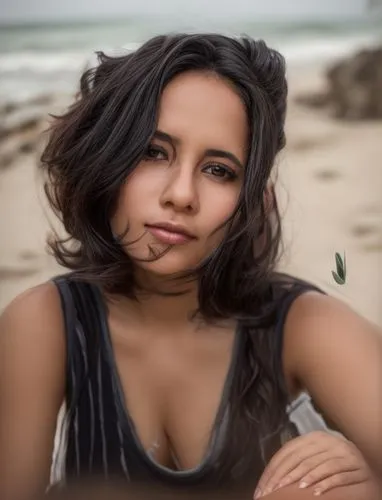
(28, 255)
(42, 100)
(32, 114)
(27, 147)
(16, 144)
(8, 108)
(22, 120)
(22, 125)
(327, 175)
(10, 272)
(354, 87)
(6, 161)
(313, 100)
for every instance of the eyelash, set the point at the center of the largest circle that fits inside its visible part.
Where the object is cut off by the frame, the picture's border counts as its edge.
(155, 150)
(152, 150)
(229, 176)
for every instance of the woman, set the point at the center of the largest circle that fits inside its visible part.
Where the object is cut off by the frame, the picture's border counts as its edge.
(173, 342)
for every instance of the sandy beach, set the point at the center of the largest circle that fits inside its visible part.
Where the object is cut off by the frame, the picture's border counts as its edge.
(329, 187)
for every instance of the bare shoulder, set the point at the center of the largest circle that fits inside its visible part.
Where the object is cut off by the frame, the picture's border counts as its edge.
(315, 317)
(40, 295)
(319, 328)
(32, 329)
(37, 309)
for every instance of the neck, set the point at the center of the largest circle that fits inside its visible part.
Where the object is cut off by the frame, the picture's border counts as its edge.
(163, 302)
(167, 309)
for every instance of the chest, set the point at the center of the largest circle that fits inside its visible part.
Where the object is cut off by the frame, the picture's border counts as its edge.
(174, 386)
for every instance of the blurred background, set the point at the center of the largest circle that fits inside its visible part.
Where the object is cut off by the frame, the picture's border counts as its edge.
(329, 178)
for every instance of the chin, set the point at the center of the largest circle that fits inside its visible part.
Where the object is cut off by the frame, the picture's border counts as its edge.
(168, 266)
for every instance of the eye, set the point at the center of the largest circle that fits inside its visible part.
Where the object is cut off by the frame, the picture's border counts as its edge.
(155, 153)
(220, 171)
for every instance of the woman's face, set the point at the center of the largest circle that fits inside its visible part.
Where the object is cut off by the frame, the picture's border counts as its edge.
(190, 179)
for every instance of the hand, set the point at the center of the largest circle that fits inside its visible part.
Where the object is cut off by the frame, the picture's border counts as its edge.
(319, 459)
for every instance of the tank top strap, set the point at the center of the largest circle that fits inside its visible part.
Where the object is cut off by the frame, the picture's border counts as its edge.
(285, 298)
(93, 437)
(81, 330)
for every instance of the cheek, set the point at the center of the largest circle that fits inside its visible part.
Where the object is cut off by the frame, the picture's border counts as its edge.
(222, 203)
(218, 210)
(133, 197)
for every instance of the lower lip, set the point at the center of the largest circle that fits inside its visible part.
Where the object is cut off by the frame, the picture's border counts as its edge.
(169, 237)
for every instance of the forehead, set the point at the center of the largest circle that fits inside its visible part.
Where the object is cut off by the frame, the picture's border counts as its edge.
(203, 105)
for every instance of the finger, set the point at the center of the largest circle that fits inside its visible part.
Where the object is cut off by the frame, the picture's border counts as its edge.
(286, 461)
(301, 471)
(330, 468)
(342, 479)
(318, 441)
(289, 456)
(285, 470)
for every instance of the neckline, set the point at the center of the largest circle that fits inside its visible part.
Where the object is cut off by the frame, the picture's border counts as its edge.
(127, 422)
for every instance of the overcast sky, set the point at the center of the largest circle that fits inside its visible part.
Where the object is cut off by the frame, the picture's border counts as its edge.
(35, 10)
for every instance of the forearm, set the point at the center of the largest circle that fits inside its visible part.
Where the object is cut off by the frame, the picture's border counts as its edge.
(371, 490)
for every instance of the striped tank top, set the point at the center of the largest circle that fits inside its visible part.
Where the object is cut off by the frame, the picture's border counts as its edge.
(96, 436)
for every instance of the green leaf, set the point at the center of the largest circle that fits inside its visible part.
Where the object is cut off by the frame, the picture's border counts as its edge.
(338, 279)
(341, 266)
(341, 272)
(339, 261)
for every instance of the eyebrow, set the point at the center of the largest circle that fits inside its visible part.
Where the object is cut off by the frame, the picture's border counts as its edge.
(217, 153)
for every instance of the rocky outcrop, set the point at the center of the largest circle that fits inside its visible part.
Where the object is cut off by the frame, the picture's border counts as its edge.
(354, 87)
(22, 124)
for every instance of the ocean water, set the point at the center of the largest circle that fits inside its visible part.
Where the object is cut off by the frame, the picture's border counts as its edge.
(39, 59)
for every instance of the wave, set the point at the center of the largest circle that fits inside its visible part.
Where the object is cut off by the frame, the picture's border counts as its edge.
(41, 62)
(46, 62)
(305, 50)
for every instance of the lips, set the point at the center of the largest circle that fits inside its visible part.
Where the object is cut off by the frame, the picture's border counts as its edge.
(169, 233)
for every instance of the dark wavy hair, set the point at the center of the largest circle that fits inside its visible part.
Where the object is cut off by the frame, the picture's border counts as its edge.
(96, 145)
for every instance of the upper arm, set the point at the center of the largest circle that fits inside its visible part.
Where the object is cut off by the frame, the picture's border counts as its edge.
(336, 355)
(32, 386)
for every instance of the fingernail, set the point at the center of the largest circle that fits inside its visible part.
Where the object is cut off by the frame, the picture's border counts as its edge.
(303, 484)
(257, 493)
(317, 493)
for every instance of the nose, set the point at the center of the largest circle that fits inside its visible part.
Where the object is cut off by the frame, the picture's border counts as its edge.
(180, 192)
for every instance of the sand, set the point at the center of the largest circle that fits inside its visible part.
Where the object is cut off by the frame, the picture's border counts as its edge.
(329, 187)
